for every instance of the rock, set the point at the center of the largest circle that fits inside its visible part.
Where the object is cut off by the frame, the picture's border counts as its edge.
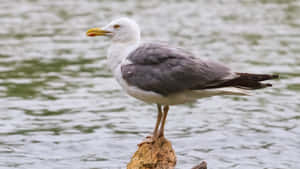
(155, 155)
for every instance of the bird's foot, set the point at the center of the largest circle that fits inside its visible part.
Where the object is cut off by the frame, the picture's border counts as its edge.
(148, 140)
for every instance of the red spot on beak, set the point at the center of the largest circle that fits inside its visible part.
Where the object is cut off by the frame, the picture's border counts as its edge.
(91, 34)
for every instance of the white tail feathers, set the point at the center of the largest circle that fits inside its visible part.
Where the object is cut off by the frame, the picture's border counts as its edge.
(221, 91)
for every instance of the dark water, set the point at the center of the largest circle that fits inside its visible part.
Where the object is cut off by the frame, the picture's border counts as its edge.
(61, 108)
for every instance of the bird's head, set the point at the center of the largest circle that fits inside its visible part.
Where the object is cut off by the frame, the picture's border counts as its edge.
(122, 30)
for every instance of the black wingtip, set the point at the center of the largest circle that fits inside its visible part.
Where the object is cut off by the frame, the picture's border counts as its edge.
(275, 76)
(268, 85)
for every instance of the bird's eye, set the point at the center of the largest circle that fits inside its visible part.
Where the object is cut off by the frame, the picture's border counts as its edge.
(117, 26)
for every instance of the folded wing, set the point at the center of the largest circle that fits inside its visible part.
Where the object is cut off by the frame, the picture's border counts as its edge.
(166, 70)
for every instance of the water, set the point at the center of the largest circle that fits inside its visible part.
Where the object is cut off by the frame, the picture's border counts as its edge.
(61, 108)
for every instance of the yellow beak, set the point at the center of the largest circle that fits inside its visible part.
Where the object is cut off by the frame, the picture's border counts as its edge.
(97, 32)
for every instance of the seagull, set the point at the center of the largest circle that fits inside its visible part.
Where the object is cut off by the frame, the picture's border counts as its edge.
(158, 73)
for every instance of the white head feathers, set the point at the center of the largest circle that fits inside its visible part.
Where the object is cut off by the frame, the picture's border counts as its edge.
(123, 30)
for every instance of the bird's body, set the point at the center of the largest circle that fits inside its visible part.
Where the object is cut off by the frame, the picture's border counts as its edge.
(120, 60)
(165, 75)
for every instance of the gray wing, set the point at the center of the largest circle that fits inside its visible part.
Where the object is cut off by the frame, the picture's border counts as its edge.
(166, 70)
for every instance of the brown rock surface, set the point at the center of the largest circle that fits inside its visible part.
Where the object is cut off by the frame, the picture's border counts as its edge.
(156, 155)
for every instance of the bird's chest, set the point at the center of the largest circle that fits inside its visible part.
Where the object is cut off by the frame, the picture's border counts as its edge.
(118, 75)
(117, 53)
(122, 82)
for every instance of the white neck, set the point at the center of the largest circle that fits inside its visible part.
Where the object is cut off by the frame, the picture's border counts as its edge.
(118, 52)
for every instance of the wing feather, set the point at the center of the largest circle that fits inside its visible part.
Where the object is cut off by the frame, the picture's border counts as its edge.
(166, 70)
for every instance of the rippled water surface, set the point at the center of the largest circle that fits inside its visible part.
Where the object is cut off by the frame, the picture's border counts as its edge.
(61, 108)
